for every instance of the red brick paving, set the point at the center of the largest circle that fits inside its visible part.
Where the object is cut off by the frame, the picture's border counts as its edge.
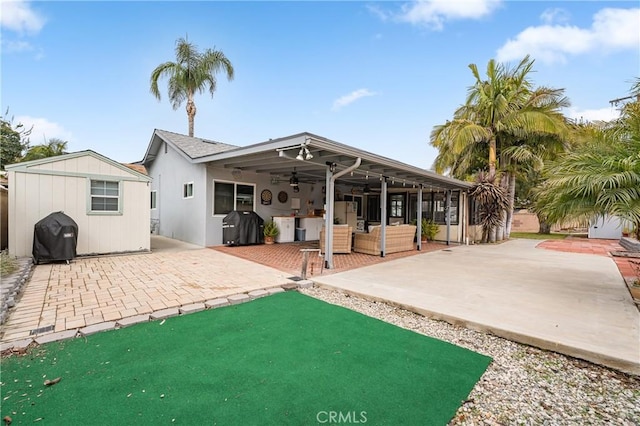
(629, 267)
(288, 258)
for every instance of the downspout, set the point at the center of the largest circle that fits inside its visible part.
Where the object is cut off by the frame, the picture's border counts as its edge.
(448, 216)
(328, 235)
(419, 218)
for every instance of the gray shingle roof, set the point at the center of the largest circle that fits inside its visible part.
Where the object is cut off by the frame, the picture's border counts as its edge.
(194, 147)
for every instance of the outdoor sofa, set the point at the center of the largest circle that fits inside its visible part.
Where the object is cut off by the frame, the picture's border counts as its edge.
(399, 238)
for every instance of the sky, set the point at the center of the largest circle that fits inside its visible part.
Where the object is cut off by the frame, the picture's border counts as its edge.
(375, 75)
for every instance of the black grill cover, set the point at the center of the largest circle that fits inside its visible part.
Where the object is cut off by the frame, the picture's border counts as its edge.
(55, 238)
(242, 228)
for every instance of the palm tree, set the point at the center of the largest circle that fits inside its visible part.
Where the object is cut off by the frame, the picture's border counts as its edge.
(52, 148)
(600, 177)
(192, 72)
(501, 112)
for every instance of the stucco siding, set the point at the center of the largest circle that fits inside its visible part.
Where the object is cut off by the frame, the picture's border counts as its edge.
(178, 217)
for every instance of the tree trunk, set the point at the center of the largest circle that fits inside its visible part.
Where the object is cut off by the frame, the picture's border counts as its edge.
(191, 114)
(512, 197)
(492, 235)
(492, 157)
(545, 227)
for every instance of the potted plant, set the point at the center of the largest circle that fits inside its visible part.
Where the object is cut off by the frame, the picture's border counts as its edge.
(429, 230)
(270, 231)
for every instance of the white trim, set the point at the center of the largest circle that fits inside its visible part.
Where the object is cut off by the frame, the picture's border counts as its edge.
(154, 199)
(235, 195)
(185, 187)
(120, 199)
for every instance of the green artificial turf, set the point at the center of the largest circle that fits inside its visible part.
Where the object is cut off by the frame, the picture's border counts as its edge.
(282, 359)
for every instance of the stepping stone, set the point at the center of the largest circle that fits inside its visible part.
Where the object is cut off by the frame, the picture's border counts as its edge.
(290, 286)
(190, 309)
(275, 290)
(257, 294)
(216, 303)
(305, 284)
(96, 328)
(136, 319)
(164, 313)
(238, 298)
(55, 337)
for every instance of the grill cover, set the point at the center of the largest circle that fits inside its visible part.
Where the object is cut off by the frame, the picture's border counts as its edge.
(242, 228)
(55, 238)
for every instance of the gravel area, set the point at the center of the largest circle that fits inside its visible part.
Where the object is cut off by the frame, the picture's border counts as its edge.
(523, 385)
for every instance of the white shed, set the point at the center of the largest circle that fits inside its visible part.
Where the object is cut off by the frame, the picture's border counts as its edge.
(108, 200)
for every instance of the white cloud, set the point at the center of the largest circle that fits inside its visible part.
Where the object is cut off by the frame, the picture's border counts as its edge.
(555, 15)
(43, 129)
(434, 13)
(612, 29)
(350, 98)
(602, 114)
(10, 46)
(18, 16)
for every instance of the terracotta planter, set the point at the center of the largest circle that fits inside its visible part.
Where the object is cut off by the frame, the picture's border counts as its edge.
(268, 240)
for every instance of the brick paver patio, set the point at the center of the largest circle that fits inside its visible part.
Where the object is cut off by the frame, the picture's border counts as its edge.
(94, 290)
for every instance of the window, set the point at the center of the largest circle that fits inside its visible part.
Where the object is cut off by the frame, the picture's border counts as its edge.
(373, 208)
(397, 205)
(105, 196)
(229, 196)
(187, 190)
(154, 200)
(440, 207)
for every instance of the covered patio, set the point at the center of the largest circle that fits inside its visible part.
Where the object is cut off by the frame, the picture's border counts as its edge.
(385, 191)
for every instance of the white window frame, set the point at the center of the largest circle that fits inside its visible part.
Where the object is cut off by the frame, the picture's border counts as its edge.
(154, 199)
(235, 195)
(90, 197)
(185, 190)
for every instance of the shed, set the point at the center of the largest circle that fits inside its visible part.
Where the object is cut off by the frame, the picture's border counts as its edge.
(109, 202)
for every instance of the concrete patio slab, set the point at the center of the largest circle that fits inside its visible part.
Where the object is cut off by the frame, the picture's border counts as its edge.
(572, 303)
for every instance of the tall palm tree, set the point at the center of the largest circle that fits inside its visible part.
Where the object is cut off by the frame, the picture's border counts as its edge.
(192, 72)
(500, 112)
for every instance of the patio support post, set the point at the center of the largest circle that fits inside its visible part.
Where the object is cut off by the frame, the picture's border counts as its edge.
(448, 216)
(419, 219)
(331, 181)
(383, 217)
(328, 218)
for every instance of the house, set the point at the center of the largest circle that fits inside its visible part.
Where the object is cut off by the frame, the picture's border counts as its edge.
(197, 182)
(108, 200)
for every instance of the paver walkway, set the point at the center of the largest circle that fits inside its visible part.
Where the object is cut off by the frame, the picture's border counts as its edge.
(94, 290)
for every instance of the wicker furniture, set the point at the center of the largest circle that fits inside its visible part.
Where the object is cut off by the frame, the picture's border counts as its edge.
(398, 238)
(341, 239)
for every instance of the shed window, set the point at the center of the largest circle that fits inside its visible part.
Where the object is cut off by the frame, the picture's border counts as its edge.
(105, 196)
(154, 200)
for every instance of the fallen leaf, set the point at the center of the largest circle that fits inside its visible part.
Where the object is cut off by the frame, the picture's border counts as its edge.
(161, 322)
(7, 420)
(52, 382)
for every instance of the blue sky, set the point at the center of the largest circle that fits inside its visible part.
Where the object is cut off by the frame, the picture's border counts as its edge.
(374, 75)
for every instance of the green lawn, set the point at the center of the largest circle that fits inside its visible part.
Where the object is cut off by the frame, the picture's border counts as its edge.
(282, 359)
(536, 236)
